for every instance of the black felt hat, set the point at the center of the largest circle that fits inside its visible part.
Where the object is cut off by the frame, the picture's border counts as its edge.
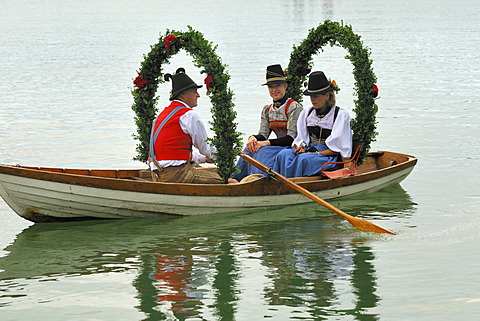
(180, 82)
(317, 84)
(275, 75)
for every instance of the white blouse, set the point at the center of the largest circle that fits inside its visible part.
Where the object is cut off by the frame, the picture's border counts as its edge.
(340, 140)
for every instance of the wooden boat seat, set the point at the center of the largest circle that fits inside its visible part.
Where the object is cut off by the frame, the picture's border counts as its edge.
(349, 170)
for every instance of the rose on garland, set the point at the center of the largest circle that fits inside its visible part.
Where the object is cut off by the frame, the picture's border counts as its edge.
(375, 91)
(139, 81)
(208, 83)
(169, 41)
(375, 95)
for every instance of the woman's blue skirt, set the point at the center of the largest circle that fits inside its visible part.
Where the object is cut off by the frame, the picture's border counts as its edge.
(288, 164)
(265, 155)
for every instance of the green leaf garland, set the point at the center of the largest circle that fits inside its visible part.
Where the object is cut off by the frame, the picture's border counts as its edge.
(334, 33)
(150, 75)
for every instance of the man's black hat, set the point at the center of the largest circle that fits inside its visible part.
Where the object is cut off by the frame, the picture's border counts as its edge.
(180, 82)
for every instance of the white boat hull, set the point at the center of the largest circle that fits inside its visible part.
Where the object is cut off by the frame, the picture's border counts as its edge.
(28, 196)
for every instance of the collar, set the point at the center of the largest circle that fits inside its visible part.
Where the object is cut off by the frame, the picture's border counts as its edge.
(182, 102)
(322, 114)
(280, 102)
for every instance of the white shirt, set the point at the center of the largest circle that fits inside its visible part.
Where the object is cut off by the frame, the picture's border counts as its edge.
(340, 140)
(192, 125)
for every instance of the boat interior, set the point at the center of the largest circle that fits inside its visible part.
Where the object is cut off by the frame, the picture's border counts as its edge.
(374, 161)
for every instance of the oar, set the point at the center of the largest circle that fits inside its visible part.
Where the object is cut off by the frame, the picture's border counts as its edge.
(355, 221)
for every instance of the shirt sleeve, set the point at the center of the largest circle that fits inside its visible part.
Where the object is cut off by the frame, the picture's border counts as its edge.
(340, 140)
(198, 158)
(264, 125)
(192, 124)
(282, 141)
(260, 137)
(302, 132)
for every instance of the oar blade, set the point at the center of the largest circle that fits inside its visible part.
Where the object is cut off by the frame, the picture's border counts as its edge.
(368, 226)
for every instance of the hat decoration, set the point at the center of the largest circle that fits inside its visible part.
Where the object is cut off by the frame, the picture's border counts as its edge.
(275, 75)
(334, 85)
(180, 82)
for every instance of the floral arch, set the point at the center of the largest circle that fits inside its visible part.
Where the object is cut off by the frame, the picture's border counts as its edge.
(334, 33)
(150, 75)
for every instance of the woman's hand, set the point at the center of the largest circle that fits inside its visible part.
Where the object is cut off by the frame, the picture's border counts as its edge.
(251, 144)
(260, 144)
(299, 149)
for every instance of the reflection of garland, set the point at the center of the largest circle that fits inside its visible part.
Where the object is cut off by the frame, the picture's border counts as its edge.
(151, 74)
(334, 33)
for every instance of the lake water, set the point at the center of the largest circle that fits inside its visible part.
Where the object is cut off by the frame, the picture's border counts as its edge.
(66, 73)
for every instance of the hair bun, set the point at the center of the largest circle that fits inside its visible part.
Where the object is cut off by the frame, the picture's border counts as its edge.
(179, 70)
(167, 77)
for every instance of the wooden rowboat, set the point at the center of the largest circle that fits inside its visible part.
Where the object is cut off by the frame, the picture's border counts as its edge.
(56, 194)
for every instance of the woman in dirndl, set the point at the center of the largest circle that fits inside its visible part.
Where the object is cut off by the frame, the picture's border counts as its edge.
(279, 117)
(323, 133)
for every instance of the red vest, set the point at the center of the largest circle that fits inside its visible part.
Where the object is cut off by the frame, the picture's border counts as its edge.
(172, 143)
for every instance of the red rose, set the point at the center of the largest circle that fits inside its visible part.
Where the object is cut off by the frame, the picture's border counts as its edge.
(208, 82)
(169, 40)
(139, 81)
(375, 91)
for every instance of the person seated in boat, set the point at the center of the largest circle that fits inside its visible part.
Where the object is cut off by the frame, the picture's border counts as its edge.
(323, 133)
(175, 131)
(279, 117)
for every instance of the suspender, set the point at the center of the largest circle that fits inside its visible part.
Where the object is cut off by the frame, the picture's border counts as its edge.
(153, 136)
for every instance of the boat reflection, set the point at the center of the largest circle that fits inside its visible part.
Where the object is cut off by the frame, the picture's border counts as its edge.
(276, 262)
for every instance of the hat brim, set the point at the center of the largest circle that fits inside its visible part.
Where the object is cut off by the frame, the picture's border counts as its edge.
(313, 93)
(178, 92)
(276, 82)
